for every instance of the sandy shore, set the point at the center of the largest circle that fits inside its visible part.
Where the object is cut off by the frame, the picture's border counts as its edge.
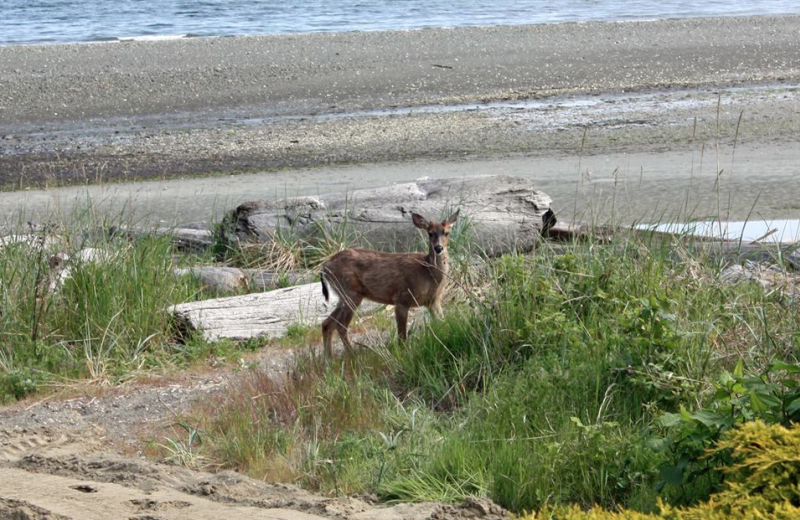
(133, 110)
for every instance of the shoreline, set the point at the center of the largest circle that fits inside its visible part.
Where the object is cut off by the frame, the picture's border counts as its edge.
(682, 120)
(468, 25)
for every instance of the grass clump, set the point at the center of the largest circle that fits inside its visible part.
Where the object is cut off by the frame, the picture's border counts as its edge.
(330, 427)
(79, 307)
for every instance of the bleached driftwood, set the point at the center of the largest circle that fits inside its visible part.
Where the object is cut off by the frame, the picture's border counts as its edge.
(502, 214)
(253, 315)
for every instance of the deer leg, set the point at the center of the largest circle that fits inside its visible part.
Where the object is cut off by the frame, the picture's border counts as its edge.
(327, 331)
(401, 315)
(347, 310)
(436, 310)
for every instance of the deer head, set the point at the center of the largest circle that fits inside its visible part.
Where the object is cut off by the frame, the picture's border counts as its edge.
(438, 233)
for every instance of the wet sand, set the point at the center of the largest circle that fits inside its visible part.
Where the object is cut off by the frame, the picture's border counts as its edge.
(757, 183)
(645, 98)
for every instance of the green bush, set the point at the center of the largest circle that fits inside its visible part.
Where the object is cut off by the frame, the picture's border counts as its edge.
(18, 384)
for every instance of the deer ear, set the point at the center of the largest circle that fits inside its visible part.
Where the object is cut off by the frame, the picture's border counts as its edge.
(452, 218)
(419, 221)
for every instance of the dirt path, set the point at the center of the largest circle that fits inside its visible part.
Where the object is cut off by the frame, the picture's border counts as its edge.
(121, 416)
(70, 459)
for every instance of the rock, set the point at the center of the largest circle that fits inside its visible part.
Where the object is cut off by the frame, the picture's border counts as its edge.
(221, 279)
(502, 214)
(471, 508)
(61, 264)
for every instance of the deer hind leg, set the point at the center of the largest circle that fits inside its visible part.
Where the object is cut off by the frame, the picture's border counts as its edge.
(347, 310)
(339, 320)
(327, 331)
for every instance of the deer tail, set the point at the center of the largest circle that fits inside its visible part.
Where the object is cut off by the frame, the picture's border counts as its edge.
(324, 286)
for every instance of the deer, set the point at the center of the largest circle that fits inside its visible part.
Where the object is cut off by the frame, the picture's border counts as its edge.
(405, 280)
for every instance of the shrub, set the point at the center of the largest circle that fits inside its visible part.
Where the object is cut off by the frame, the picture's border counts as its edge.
(772, 397)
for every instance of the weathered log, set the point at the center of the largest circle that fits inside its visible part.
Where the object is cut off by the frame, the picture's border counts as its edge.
(190, 240)
(502, 214)
(260, 314)
(233, 280)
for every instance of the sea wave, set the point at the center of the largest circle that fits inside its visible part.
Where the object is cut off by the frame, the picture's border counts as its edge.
(150, 37)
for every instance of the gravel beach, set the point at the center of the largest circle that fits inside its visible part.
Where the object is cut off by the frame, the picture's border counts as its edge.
(551, 94)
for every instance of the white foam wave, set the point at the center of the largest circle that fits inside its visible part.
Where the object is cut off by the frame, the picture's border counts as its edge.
(151, 37)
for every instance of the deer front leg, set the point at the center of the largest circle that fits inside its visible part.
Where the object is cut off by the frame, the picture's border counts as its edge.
(436, 310)
(401, 315)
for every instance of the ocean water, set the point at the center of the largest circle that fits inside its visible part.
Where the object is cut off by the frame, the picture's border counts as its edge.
(51, 21)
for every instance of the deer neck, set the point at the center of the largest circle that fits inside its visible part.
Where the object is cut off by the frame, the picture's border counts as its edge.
(439, 265)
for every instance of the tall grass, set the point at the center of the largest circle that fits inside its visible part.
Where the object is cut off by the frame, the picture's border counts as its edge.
(542, 391)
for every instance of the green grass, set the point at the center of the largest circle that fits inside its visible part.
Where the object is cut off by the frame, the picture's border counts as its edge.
(545, 390)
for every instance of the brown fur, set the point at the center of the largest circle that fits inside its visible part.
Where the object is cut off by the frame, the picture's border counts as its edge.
(405, 280)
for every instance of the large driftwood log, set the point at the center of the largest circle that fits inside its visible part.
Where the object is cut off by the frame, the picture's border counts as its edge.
(261, 314)
(502, 213)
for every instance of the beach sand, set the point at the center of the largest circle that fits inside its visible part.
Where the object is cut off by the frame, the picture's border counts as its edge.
(698, 88)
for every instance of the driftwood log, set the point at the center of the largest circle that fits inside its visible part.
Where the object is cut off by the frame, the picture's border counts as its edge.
(502, 213)
(267, 314)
